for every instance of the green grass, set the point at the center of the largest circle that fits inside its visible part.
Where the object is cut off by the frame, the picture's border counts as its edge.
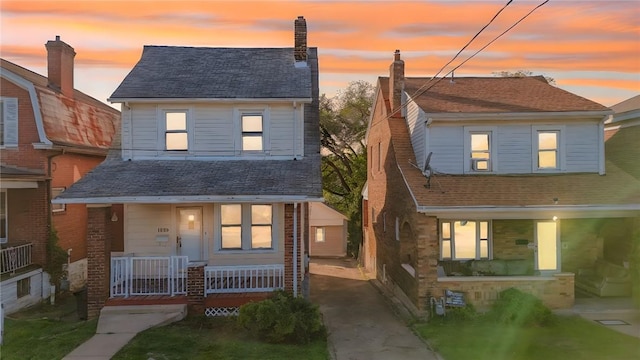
(45, 332)
(570, 338)
(212, 338)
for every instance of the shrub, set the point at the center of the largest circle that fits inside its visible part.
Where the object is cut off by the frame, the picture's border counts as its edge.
(283, 318)
(516, 307)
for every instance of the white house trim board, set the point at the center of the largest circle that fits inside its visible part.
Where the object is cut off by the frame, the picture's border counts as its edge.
(186, 199)
(27, 85)
(207, 100)
(533, 212)
(9, 184)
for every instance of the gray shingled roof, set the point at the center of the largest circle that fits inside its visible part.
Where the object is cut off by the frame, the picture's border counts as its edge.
(200, 72)
(190, 178)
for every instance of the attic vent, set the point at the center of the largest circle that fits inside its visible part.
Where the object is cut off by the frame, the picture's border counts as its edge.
(480, 165)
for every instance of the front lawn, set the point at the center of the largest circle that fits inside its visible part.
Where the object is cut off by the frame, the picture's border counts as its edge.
(568, 338)
(212, 338)
(45, 331)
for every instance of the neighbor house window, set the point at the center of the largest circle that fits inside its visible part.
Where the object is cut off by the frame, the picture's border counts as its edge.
(8, 122)
(23, 287)
(3, 217)
(246, 226)
(479, 149)
(54, 193)
(464, 240)
(548, 149)
(176, 133)
(320, 234)
(252, 131)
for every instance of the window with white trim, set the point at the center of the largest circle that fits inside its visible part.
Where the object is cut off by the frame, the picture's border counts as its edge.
(54, 193)
(8, 122)
(548, 149)
(4, 224)
(479, 147)
(252, 132)
(320, 234)
(465, 240)
(246, 226)
(176, 134)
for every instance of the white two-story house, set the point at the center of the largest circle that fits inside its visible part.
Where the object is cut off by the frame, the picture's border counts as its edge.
(477, 185)
(218, 160)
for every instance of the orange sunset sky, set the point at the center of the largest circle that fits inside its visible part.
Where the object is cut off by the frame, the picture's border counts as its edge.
(591, 48)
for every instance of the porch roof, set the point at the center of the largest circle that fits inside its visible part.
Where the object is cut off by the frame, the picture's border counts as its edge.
(117, 181)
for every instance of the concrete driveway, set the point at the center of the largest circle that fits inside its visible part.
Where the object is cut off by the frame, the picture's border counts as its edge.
(361, 323)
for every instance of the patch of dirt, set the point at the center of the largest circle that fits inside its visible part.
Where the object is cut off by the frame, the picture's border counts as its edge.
(64, 309)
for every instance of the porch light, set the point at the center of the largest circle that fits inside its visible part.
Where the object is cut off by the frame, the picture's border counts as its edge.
(555, 218)
(114, 217)
(192, 218)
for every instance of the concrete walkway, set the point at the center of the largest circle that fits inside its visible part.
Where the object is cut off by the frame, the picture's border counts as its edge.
(615, 313)
(360, 321)
(117, 325)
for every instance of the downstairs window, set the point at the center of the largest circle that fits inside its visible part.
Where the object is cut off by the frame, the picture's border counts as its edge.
(465, 240)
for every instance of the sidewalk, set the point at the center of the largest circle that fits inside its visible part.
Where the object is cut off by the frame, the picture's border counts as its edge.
(119, 324)
(361, 324)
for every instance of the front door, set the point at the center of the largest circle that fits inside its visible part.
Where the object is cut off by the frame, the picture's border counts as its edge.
(190, 232)
(546, 247)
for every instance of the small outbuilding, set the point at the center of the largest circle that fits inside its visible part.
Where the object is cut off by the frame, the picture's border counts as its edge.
(327, 230)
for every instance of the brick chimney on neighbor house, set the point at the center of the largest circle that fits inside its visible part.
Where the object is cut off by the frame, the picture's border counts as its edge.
(300, 39)
(60, 66)
(396, 82)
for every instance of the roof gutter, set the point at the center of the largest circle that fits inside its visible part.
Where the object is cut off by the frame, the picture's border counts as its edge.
(188, 199)
(457, 117)
(533, 211)
(206, 100)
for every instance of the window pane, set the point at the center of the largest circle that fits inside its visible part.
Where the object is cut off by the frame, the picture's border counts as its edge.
(231, 237)
(252, 123)
(176, 120)
(465, 239)
(319, 234)
(176, 141)
(261, 214)
(446, 249)
(446, 230)
(547, 159)
(250, 143)
(484, 249)
(547, 140)
(484, 230)
(261, 237)
(54, 193)
(479, 142)
(231, 214)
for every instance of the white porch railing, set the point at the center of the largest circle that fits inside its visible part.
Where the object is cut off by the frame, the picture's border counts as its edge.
(148, 275)
(241, 279)
(14, 258)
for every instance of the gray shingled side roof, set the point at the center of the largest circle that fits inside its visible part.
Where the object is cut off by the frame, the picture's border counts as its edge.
(200, 72)
(184, 178)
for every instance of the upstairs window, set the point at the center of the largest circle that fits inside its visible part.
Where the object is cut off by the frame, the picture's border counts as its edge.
(464, 240)
(548, 149)
(8, 122)
(252, 131)
(246, 226)
(479, 149)
(176, 134)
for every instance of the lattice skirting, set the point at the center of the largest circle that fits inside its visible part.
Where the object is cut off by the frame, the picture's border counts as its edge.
(221, 311)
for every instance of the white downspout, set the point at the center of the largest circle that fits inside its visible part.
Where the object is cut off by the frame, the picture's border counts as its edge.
(601, 155)
(302, 238)
(295, 249)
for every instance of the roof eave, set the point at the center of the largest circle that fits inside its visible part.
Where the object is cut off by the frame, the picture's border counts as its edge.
(189, 199)
(519, 115)
(206, 100)
(532, 211)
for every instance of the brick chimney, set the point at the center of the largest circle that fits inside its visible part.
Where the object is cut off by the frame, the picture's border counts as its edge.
(300, 39)
(60, 66)
(396, 82)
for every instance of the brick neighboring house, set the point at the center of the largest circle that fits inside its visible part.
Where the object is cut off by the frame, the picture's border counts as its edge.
(50, 136)
(476, 185)
(220, 158)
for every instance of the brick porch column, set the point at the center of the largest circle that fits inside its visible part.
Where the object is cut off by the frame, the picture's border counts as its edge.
(288, 248)
(98, 258)
(195, 288)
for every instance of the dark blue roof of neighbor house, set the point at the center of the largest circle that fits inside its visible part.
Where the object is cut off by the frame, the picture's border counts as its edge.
(218, 73)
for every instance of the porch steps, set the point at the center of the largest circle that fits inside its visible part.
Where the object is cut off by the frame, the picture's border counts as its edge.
(142, 317)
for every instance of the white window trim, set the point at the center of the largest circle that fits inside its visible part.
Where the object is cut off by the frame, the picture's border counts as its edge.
(562, 158)
(9, 128)
(265, 111)
(493, 148)
(6, 216)
(452, 239)
(64, 206)
(162, 129)
(246, 235)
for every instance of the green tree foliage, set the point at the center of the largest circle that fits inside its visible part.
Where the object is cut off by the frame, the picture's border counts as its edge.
(56, 259)
(343, 125)
(522, 73)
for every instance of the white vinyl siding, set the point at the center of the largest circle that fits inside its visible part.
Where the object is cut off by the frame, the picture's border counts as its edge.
(416, 121)
(214, 130)
(513, 145)
(447, 146)
(581, 148)
(143, 223)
